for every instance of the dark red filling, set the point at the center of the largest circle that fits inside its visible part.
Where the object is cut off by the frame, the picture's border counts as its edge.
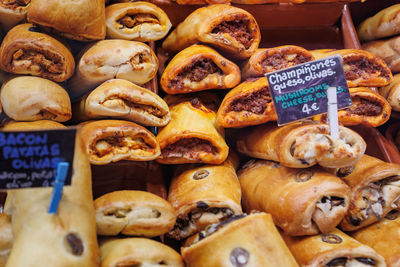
(255, 102)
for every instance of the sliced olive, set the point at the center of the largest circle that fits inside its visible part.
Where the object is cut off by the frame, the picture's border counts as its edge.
(337, 262)
(201, 174)
(393, 215)
(303, 176)
(202, 205)
(343, 172)
(239, 257)
(74, 244)
(367, 261)
(332, 239)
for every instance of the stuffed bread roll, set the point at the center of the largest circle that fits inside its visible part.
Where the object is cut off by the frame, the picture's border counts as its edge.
(228, 28)
(6, 238)
(198, 68)
(375, 191)
(192, 135)
(12, 12)
(140, 21)
(239, 241)
(25, 50)
(388, 50)
(302, 145)
(138, 252)
(82, 20)
(131, 212)
(249, 103)
(383, 237)
(109, 141)
(204, 195)
(361, 68)
(301, 201)
(392, 92)
(122, 99)
(118, 59)
(369, 108)
(383, 24)
(27, 98)
(67, 238)
(266, 60)
(333, 249)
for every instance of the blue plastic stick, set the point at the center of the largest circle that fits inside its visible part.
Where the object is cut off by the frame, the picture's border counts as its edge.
(62, 171)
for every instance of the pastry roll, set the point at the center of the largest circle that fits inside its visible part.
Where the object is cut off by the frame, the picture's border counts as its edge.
(388, 50)
(23, 125)
(361, 68)
(375, 191)
(204, 195)
(230, 29)
(239, 241)
(67, 238)
(6, 238)
(138, 252)
(392, 92)
(198, 68)
(333, 249)
(114, 140)
(249, 103)
(266, 60)
(192, 136)
(301, 201)
(118, 59)
(369, 108)
(25, 50)
(27, 98)
(139, 21)
(12, 12)
(383, 24)
(122, 99)
(301, 145)
(135, 213)
(82, 20)
(383, 237)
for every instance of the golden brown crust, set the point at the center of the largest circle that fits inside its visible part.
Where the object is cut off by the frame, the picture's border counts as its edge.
(320, 250)
(249, 103)
(81, 20)
(12, 12)
(192, 136)
(24, 125)
(108, 141)
(266, 60)
(388, 50)
(198, 68)
(252, 240)
(27, 98)
(301, 202)
(392, 92)
(138, 251)
(140, 21)
(131, 212)
(25, 50)
(210, 25)
(6, 238)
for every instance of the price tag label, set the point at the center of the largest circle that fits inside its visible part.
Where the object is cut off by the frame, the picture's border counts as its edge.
(300, 92)
(29, 159)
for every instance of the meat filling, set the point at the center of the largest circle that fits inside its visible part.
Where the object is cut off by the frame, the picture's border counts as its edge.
(280, 61)
(351, 262)
(14, 4)
(152, 110)
(119, 144)
(195, 72)
(37, 62)
(238, 29)
(364, 107)
(255, 102)
(362, 67)
(188, 148)
(131, 21)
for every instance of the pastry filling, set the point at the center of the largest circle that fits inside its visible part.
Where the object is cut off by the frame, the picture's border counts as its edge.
(189, 148)
(196, 71)
(137, 213)
(47, 115)
(328, 203)
(128, 101)
(279, 61)
(120, 145)
(37, 62)
(375, 198)
(137, 61)
(360, 67)
(364, 107)
(255, 102)
(132, 20)
(351, 262)
(14, 4)
(238, 29)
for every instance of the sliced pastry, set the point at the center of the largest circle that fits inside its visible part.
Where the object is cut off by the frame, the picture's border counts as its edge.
(12, 12)
(392, 92)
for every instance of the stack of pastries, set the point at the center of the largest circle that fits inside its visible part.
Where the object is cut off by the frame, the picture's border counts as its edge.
(242, 191)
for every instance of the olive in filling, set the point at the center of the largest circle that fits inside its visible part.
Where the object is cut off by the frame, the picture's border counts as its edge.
(327, 203)
(188, 148)
(196, 71)
(155, 111)
(38, 62)
(131, 21)
(238, 29)
(255, 102)
(361, 67)
(345, 261)
(280, 61)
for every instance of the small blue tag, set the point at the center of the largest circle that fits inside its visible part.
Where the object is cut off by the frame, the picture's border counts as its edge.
(62, 171)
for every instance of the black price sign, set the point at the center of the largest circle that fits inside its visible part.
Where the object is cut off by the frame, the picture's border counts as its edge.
(300, 91)
(29, 159)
